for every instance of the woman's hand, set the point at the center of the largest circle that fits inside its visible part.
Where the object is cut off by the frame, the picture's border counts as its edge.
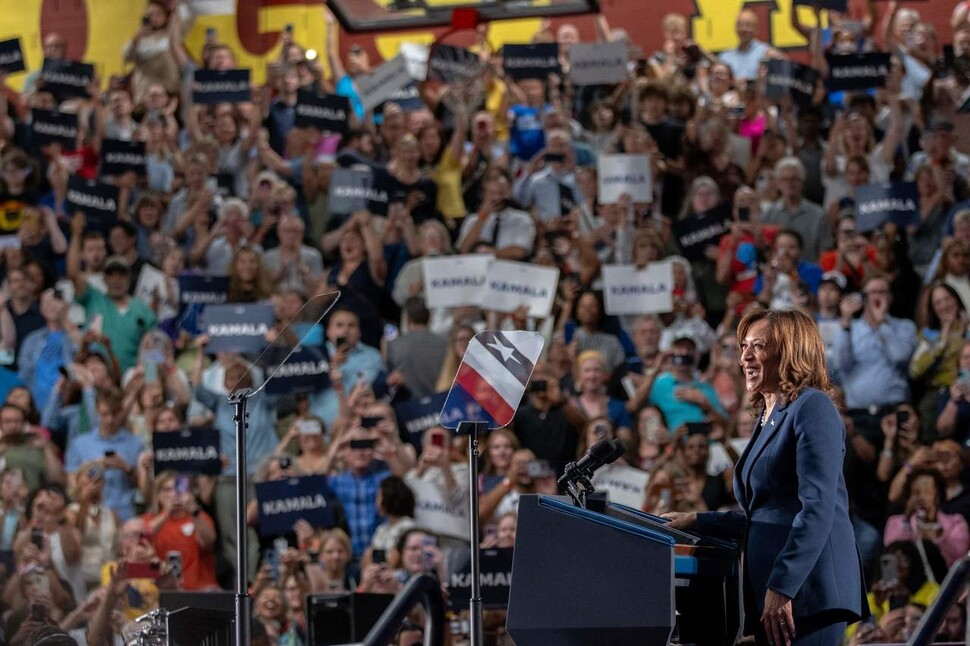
(777, 619)
(681, 519)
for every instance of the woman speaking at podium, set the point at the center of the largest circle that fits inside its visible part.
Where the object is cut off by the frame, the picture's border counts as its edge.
(802, 572)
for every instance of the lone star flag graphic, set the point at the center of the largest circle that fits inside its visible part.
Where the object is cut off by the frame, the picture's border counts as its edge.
(492, 378)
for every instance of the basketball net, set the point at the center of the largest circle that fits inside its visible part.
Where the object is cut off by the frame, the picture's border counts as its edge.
(458, 63)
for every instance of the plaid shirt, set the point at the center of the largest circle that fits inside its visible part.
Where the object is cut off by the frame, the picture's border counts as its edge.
(358, 494)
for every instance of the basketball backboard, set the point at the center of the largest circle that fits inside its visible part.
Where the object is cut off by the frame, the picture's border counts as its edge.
(357, 16)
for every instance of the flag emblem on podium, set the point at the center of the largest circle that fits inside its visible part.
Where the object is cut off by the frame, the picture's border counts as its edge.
(492, 378)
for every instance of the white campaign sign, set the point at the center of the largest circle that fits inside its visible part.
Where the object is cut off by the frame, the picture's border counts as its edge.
(630, 174)
(626, 485)
(432, 510)
(628, 290)
(598, 63)
(513, 284)
(416, 56)
(453, 281)
(378, 86)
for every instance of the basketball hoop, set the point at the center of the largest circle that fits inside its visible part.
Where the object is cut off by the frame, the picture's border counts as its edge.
(458, 63)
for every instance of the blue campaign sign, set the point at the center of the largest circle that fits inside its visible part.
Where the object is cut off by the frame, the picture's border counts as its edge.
(190, 450)
(11, 56)
(203, 289)
(119, 157)
(66, 79)
(283, 502)
(531, 61)
(238, 327)
(97, 200)
(324, 112)
(416, 416)
(496, 568)
(221, 86)
(52, 127)
(307, 370)
(877, 204)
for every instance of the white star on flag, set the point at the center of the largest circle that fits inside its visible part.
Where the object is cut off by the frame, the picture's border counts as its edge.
(506, 352)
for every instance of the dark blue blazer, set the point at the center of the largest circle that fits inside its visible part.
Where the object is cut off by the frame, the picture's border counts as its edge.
(795, 524)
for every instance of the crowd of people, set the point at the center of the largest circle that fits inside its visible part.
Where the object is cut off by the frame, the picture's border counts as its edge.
(99, 352)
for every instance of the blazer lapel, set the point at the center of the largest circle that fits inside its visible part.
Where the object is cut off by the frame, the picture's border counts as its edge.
(764, 439)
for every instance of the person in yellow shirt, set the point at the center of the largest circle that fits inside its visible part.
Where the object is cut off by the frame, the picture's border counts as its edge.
(443, 165)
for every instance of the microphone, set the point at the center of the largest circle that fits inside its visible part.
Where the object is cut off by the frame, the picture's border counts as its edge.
(602, 452)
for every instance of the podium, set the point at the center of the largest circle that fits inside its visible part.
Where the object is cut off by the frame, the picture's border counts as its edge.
(585, 578)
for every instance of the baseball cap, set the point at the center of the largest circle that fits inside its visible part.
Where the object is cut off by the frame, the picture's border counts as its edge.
(835, 278)
(116, 263)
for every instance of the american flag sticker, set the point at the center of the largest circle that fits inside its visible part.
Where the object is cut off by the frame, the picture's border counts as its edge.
(492, 378)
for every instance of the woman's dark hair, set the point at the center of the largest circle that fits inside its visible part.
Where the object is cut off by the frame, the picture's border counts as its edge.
(917, 576)
(49, 487)
(402, 540)
(932, 320)
(600, 306)
(32, 413)
(919, 472)
(397, 499)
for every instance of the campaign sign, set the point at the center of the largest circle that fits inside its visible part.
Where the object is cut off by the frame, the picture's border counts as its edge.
(379, 85)
(695, 233)
(858, 72)
(450, 64)
(98, 201)
(352, 190)
(496, 569)
(408, 98)
(238, 327)
(598, 63)
(532, 61)
(325, 112)
(51, 127)
(436, 511)
(626, 485)
(788, 78)
(305, 371)
(628, 290)
(416, 416)
(119, 157)
(221, 86)
(283, 502)
(11, 56)
(510, 285)
(66, 79)
(630, 174)
(416, 56)
(454, 281)
(190, 450)
(830, 5)
(877, 204)
(203, 289)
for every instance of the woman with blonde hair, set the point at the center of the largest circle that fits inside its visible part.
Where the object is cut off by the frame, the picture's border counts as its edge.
(802, 585)
(589, 379)
(461, 335)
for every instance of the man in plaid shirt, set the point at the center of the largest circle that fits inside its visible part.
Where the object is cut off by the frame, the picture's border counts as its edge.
(357, 490)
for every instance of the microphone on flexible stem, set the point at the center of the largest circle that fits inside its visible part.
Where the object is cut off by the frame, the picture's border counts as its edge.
(602, 452)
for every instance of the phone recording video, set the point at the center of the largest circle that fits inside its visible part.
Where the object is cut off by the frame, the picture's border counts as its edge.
(362, 444)
(370, 421)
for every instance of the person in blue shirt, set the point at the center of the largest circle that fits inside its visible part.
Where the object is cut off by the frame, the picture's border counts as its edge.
(115, 448)
(527, 136)
(357, 487)
(358, 62)
(872, 354)
(678, 394)
(46, 350)
(351, 363)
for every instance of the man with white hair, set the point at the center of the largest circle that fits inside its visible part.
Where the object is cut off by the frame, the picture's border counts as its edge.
(556, 179)
(792, 211)
(745, 59)
(293, 265)
(228, 235)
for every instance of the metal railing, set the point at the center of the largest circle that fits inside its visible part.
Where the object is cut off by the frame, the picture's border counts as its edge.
(424, 589)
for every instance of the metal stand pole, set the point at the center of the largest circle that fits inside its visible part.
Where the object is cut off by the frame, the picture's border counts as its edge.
(475, 604)
(240, 416)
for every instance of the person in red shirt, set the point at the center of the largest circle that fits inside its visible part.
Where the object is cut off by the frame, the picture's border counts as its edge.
(180, 526)
(853, 256)
(737, 265)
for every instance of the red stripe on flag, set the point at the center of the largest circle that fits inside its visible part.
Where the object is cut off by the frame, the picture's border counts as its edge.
(482, 392)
